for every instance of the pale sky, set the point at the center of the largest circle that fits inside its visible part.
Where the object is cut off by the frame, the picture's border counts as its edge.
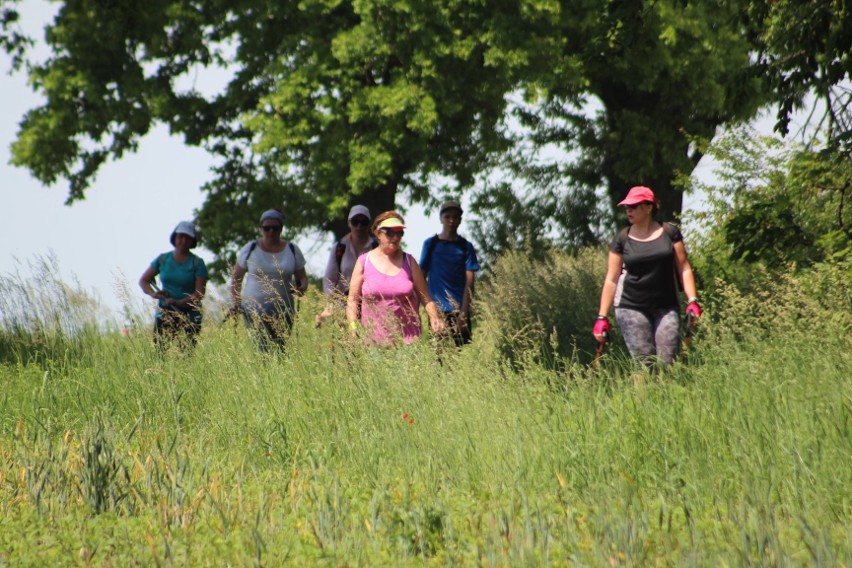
(129, 211)
(131, 208)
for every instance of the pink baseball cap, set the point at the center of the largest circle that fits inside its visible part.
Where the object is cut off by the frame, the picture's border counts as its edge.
(638, 194)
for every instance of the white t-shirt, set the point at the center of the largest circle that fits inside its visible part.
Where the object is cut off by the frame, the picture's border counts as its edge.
(333, 281)
(269, 277)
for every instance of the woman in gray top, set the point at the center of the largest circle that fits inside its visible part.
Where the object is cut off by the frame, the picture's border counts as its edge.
(269, 273)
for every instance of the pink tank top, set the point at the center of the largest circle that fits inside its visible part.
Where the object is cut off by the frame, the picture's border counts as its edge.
(390, 309)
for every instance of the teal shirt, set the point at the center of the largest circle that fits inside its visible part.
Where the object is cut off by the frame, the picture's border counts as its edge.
(178, 278)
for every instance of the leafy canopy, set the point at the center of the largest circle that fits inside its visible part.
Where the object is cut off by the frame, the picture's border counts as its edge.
(778, 205)
(329, 102)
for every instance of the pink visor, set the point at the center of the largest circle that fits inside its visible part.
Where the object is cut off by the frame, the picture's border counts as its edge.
(391, 223)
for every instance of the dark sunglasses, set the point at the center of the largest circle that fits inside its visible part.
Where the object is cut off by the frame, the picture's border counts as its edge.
(635, 205)
(393, 233)
(276, 228)
(359, 222)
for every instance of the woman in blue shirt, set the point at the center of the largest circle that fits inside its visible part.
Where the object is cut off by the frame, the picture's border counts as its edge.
(183, 276)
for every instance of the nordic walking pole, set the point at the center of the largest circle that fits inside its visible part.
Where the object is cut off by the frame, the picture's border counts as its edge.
(690, 326)
(599, 351)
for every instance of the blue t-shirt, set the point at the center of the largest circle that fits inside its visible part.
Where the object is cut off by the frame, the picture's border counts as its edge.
(178, 278)
(445, 269)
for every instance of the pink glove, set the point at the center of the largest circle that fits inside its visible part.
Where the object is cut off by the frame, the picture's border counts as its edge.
(601, 327)
(693, 310)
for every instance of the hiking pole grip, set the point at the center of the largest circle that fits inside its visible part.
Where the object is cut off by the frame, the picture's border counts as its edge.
(599, 351)
(687, 338)
(690, 323)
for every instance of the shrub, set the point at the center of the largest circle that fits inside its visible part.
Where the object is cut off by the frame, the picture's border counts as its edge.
(542, 307)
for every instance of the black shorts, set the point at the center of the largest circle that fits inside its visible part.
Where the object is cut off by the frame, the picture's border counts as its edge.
(175, 325)
(460, 336)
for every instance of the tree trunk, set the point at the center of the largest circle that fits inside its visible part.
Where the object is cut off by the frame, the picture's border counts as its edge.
(378, 200)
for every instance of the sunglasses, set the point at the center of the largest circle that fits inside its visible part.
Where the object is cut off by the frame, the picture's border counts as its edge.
(359, 222)
(276, 228)
(393, 233)
(635, 205)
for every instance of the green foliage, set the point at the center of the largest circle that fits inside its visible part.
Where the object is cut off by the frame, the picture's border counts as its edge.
(334, 454)
(543, 306)
(805, 50)
(777, 205)
(653, 74)
(785, 306)
(12, 40)
(328, 102)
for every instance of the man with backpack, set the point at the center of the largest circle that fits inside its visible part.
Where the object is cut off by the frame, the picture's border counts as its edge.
(449, 262)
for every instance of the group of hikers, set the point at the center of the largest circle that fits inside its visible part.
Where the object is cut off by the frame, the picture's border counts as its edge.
(369, 278)
(380, 287)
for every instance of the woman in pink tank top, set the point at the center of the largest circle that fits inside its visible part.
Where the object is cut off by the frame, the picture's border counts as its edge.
(387, 287)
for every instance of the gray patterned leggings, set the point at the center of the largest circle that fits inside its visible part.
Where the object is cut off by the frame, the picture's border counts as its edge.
(651, 336)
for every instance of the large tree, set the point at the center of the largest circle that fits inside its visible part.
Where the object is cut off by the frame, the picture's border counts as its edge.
(658, 74)
(330, 101)
(805, 48)
(658, 77)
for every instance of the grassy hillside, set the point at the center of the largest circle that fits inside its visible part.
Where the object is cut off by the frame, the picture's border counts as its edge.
(114, 454)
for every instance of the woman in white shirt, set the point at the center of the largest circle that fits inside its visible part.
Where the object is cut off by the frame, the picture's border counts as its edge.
(263, 284)
(342, 258)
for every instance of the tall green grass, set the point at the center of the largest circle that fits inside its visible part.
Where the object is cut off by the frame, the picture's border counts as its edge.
(330, 453)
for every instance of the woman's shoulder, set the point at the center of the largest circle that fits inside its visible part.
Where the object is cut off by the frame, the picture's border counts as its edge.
(197, 259)
(248, 249)
(672, 231)
(160, 260)
(248, 246)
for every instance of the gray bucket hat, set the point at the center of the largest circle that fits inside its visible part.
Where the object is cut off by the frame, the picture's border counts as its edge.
(272, 214)
(184, 228)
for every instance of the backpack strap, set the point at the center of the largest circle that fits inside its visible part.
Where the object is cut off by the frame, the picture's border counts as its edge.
(670, 231)
(161, 260)
(339, 251)
(427, 264)
(254, 246)
(251, 250)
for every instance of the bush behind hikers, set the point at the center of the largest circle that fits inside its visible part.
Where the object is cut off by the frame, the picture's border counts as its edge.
(545, 308)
